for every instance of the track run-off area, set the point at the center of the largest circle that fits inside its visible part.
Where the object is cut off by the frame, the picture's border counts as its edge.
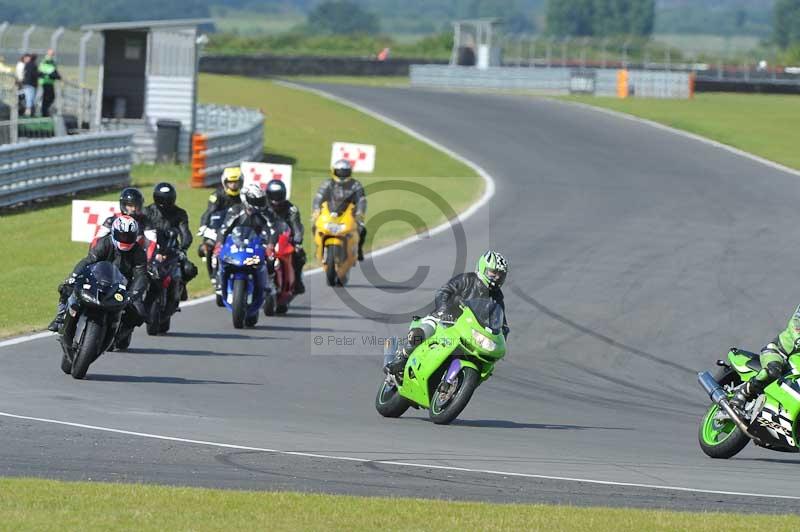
(637, 256)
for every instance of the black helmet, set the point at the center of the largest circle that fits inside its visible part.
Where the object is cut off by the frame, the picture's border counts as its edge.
(164, 195)
(276, 193)
(342, 170)
(131, 197)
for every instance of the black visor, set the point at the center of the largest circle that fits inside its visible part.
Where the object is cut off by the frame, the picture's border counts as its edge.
(259, 202)
(126, 237)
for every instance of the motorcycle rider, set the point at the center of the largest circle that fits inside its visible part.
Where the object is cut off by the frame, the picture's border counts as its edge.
(251, 212)
(284, 210)
(342, 190)
(223, 198)
(162, 215)
(485, 282)
(120, 247)
(774, 361)
(131, 203)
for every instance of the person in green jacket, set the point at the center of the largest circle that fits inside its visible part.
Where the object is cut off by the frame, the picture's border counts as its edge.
(774, 360)
(48, 74)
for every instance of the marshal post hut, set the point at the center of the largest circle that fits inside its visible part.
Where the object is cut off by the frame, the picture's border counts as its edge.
(148, 83)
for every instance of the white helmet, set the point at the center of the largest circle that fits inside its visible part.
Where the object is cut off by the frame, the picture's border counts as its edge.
(253, 197)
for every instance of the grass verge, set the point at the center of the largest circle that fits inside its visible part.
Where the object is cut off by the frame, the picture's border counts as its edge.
(300, 128)
(42, 505)
(762, 124)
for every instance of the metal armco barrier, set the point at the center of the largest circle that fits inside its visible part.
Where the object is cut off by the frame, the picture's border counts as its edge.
(229, 135)
(556, 80)
(64, 165)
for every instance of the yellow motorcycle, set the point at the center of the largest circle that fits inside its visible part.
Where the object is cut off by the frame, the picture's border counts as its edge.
(336, 237)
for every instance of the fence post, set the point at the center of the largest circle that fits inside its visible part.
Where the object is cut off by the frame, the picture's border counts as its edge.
(55, 37)
(625, 46)
(549, 51)
(603, 45)
(3, 28)
(26, 38)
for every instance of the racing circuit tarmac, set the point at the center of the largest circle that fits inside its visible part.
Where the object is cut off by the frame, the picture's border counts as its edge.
(637, 258)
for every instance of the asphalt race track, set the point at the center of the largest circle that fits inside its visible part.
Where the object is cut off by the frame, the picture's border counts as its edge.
(638, 257)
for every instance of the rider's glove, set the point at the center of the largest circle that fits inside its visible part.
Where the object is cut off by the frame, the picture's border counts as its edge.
(201, 230)
(182, 255)
(71, 279)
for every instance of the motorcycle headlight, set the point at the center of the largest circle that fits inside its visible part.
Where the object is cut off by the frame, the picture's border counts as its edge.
(89, 297)
(484, 341)
(334, 228)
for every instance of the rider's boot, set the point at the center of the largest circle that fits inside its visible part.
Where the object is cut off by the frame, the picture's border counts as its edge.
(396, 366)
(58, 321)
(746, 393)
(299, 286)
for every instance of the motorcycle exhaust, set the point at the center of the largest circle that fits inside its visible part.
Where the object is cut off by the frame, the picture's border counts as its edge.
(718, 396)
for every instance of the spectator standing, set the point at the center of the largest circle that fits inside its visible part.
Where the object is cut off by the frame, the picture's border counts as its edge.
(20, 69)
(30, 78)
(48, 74)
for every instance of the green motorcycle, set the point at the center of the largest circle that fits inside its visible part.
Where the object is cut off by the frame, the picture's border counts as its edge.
(770, 420)
(442, 372)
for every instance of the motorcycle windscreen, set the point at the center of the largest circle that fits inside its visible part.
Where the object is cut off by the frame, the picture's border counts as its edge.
(106, 274)
(488, 313)
(243, 236)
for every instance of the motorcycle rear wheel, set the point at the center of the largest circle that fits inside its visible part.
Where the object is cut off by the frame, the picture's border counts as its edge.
(721, 440)
(389, 402)
(89, 348)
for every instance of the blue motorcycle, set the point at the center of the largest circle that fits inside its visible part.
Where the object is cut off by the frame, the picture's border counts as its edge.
(243, 275)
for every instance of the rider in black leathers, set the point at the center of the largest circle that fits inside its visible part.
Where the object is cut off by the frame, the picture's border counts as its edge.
(283, 209)
(339, 192)
(253, 213)
(131, 203)
(485, 282)
(162, 215)
(223, 198)
(131, 262)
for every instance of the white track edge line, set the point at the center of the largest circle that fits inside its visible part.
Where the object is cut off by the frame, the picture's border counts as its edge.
(488, 192)
(395, 462)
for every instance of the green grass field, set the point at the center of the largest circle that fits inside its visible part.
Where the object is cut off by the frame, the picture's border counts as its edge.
(765, 125)
(299, 126)
(43, 505)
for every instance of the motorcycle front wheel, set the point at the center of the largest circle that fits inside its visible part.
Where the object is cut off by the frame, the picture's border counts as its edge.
(88, 349)
(445, 407)
(239, 303)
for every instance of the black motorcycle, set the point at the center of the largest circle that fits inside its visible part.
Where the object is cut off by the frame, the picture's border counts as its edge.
(166, 279)
(94, 314)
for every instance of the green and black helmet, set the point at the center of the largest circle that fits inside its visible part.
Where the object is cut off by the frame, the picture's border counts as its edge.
(492, 269)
